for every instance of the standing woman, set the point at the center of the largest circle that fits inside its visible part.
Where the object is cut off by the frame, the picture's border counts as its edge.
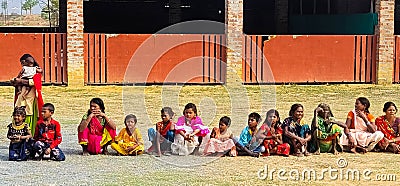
(389, 125)
(96, 130)
(363, 132)
(33, 100)
(296, 131)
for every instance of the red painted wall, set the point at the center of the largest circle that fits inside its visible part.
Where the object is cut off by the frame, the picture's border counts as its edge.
(315, 58)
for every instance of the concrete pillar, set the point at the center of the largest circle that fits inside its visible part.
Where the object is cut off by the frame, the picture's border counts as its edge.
(385, 41)
(234, 40)
(75, 44)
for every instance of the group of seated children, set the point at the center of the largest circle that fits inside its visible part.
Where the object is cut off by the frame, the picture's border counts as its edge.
(46, 139)
(360, 133)
(294, 136)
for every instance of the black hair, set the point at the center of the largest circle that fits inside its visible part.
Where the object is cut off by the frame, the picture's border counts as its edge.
(19, 111)
(365, 102)
(387, 105)
(256, 116)
(190, 106)
(294, 108)
(225, 120)
(130, 116)
(49, 106)
(168, 110)
(99, 102)
(26, 56)
(273, 111)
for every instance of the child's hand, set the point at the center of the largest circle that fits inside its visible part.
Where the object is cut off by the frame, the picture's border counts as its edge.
(47, 152)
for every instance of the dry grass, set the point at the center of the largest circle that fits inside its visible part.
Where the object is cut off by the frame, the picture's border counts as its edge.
(214, 102)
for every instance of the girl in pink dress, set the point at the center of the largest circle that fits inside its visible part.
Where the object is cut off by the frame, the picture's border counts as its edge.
(189, 132)
(221, 139)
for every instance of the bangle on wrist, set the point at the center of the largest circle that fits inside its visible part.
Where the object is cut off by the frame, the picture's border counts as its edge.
(367, 123)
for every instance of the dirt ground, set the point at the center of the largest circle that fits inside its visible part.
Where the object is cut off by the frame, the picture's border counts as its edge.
(213, 102)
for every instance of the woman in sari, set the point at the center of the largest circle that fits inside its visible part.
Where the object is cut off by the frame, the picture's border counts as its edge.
(296, 131)
(327, 130)
(389, 125)
(33, 100)
(96, 130)
(363, 132)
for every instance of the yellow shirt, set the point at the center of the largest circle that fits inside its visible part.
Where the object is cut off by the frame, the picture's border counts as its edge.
(124, 137)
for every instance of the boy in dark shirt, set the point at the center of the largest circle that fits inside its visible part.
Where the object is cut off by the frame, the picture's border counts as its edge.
(48, 136)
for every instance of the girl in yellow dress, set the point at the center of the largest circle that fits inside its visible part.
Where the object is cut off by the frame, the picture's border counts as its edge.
(129, 140)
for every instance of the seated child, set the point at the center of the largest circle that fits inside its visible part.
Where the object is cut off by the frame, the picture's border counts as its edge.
(271, 134)
(129, 140)
(19, 133)
(189, 132)
(27, 72)
(221, 139)
(248, 144)
(163, 138)
(48, 136)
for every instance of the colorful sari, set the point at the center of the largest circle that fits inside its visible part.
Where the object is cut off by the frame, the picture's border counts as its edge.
(390, 132)
(33, 102)
(359, 132)
(300, 129)
(271, 145)
(325, 133)
(96, 135)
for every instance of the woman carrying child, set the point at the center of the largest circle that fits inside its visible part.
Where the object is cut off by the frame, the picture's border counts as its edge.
(32, 99)
(129, 140)
(221, 139)
(271, 134)
(189, 132)
(96, 130)
(18, 133)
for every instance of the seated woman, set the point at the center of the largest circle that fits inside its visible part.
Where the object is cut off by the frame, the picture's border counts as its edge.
(96, 130)
(389, 125)
(326, 130)
(363, 132)
(32, 100)
(271, 134)
(296, 131)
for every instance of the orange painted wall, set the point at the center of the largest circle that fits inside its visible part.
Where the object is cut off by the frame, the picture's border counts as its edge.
(140, 58)
(12, 47)
(311, 58)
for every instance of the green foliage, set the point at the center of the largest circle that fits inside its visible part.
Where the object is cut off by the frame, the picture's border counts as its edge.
(50, 9)
(29, 4)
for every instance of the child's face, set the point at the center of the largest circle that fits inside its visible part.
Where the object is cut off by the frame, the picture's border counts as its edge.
(24, 63)
(252, 123)
(272, 118)
(46, 113)
(165, 117)
(222, 126)
(189, 113)
(130, 123)
(18, 118)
